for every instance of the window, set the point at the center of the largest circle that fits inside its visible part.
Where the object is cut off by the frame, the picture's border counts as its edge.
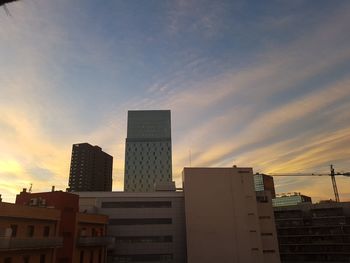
(144, 239)
(14, 230)
(140, 204)
(269, 251)
(91, 256)
(30, 231)
(100, 256)
(140, 221)
(82, 256)
(26, 259)
(264, 217)
(145, 258)
(42, 258)
(46, 231)
(266, 234)
(8, 260)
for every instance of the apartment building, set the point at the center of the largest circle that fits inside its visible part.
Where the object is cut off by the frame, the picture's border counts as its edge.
(28, 234)
(314, 232)
(90, 169)
(226, 221)
(147, 227)
(83, 234)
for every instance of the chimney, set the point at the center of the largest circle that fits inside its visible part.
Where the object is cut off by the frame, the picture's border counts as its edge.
(24, 190)
(0, 198)
(53, 189)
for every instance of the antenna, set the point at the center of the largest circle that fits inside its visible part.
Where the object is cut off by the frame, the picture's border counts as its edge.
(30, 188)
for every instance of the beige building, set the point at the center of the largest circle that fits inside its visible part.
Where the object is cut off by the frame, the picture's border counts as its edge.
(226, 221)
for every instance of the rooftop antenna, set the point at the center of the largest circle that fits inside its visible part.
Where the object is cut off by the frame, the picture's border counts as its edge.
(30, 188)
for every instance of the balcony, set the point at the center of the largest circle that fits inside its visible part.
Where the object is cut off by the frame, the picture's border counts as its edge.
(14, 243)
(95, 241)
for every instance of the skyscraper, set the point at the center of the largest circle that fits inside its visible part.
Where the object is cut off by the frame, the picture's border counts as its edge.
(148, 150)
(90, 169)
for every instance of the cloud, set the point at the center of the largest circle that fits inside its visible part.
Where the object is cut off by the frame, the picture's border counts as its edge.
(284, 108)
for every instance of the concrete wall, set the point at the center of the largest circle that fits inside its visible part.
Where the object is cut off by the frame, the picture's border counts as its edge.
(167, 249)
(222, 220)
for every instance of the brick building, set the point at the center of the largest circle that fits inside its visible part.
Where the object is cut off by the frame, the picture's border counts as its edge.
(80, 237)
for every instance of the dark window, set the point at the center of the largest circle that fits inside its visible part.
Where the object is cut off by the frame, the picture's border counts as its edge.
(144, 239)
(100, 256)
(264, 217)
(30, 231)
(26, 259)
(140, 221)
(91, 256)
(144, 257)
(269, 251)
(14, 230)
(42, 258)
(46, 231)
(266, 234)
(82, 256)
(154, 204)
(8, 260)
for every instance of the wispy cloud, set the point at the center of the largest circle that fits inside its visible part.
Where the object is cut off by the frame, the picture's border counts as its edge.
(281, 108)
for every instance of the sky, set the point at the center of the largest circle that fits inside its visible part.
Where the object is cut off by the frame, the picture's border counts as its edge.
(262, 84)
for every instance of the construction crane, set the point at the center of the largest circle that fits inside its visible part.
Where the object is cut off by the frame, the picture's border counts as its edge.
(332, 174)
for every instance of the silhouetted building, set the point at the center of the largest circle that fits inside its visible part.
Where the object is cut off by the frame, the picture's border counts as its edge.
(263, 182)
(226, 220)
(314, 232)
(148, 150)
(90, 169)
(290, 199)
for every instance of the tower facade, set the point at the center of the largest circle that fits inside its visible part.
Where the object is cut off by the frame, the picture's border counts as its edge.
(91, 169)
(148, 159)
(263, 182)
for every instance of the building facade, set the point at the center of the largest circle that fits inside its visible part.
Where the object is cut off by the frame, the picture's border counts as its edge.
(84, 235)
(290, 199)
(263, 182)
(90, 169)
(29, 234)
(148, 227)
(148, 159)
(223, 221)
(314, 232)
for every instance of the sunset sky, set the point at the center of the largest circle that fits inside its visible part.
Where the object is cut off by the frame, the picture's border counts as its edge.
(263, 84)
